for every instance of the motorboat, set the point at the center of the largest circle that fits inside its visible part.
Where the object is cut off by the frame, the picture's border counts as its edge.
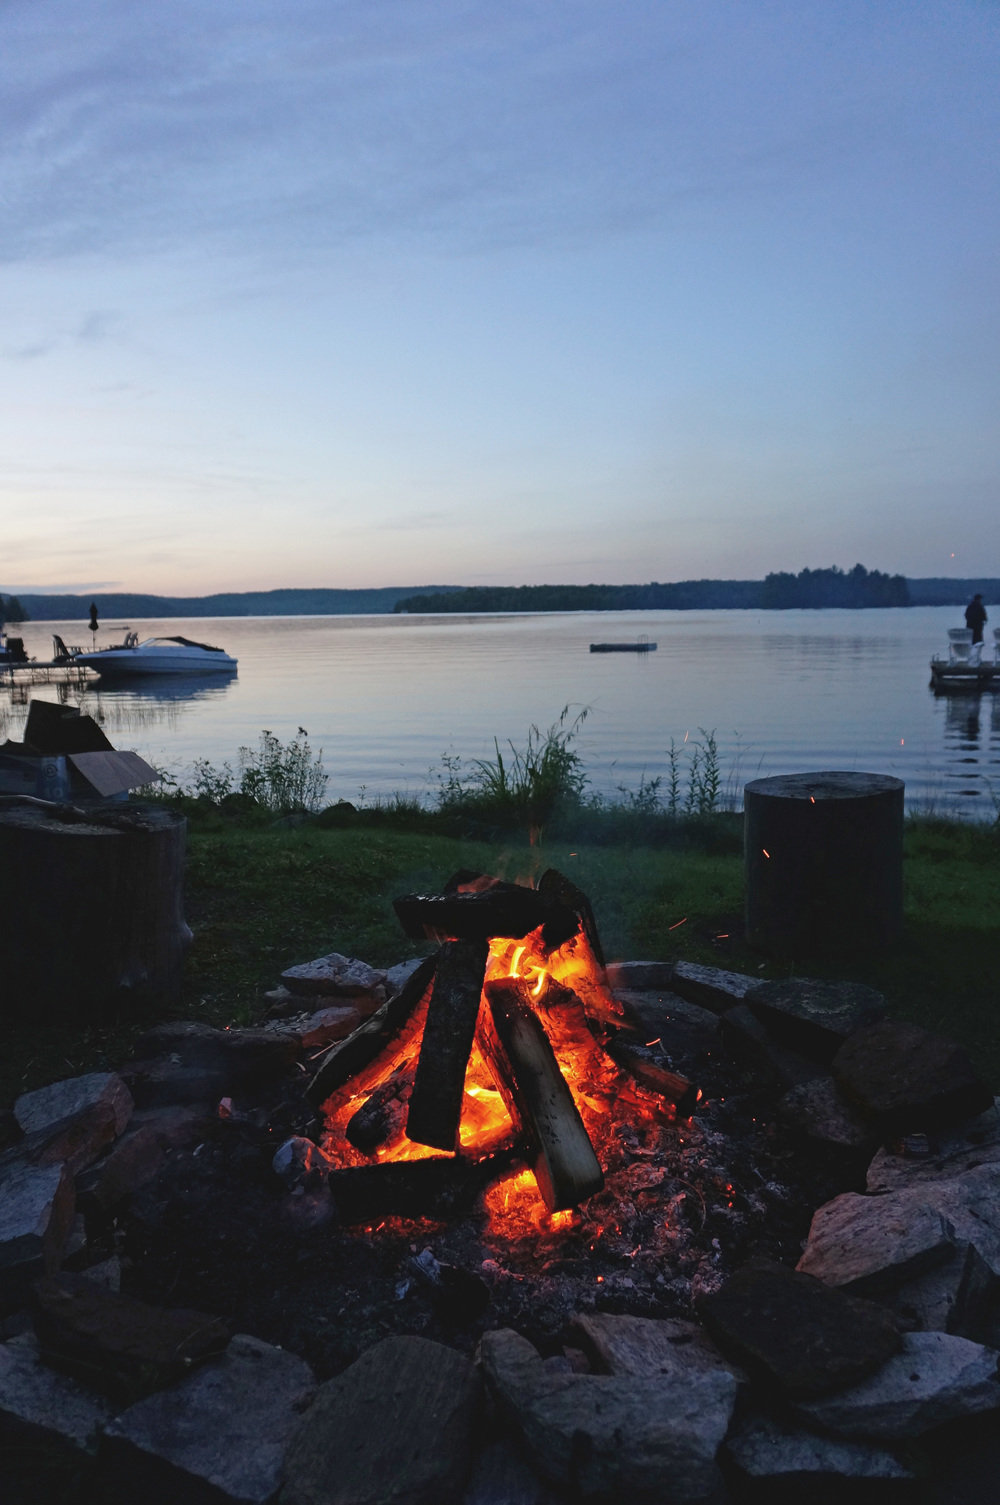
(166, 655)
(966, 667)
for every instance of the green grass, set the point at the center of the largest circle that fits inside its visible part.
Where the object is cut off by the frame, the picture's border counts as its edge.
(260, 899)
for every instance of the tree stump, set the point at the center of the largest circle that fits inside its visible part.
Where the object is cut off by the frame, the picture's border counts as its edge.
(90, 907)
(824, 863)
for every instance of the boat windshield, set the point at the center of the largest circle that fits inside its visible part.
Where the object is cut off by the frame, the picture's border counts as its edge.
(184, 642)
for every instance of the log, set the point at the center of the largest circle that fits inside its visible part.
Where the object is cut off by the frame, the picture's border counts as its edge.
(440, 1187)
(537, 1095)
(348, 1057)
(381, 1115)
(92, 913)
(439, 1086)
(555, 885)
(824, 863)
(643, 1068)
(506, 909)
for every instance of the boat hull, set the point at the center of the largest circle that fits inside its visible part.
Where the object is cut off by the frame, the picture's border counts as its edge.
(137, 662)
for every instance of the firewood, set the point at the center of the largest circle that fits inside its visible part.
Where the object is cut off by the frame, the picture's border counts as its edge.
(379, 1118)
(555, 885)
(506, 909)
(440, 1187)
(349, 1056)
(642, 1068)
(537, 1096)
(436, 1101)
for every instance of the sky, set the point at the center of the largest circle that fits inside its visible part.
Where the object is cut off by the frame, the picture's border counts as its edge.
(390, 292)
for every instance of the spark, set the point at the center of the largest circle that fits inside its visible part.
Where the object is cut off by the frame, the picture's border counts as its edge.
(679, 924)
(765, 851)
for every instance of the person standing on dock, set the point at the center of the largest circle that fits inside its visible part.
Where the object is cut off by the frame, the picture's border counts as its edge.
(975, 619)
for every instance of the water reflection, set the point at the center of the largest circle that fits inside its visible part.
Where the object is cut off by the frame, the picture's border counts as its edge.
(139, 706)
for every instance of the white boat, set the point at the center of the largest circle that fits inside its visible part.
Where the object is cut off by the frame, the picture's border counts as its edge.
(174, 655)
(966, 666)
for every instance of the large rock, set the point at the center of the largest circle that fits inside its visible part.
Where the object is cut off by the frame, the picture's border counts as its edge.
(122, 1345)
(334, 975)
(951, 1153)
(47, 1105)
(766, 1450)
(329, 1024)
(960, 1297)
(641, 977)
(399, 975)
(935, 1378)
(712, 987)
(37, 1204)
(38, 1406)
(500, 1476)
(648, 1346)
(682, 1028)
(814, 1017)
(820, 1110)
(904, 1078)
(220, 1435)
(747, 1041)
(792, 1330)
(134, 1162)
(871, 1244)
(240, 1056)
(641, 1438)
(76, 1141)
(396, 1428)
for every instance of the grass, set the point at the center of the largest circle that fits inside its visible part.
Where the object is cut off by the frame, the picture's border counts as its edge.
(260, 898)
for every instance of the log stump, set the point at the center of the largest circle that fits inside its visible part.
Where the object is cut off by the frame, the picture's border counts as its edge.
(90, 908)
(823, 855)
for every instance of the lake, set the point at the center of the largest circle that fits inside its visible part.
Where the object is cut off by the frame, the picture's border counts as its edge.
(386, 696)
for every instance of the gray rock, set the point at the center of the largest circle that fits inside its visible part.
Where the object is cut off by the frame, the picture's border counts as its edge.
(107, 1275)
(936, 1378)
(37, 1204)
(239, 1056)
(329, 1024)
(396, 1428)
(814, 1017)
(712, 987)
(747, 1041)
(400, 974)
(166, 1083)
(77, 1141)
(681, 1027)
(821, 1111)
(39, 1405)
(640, 977)
(500, 1476)
(333, 975)
(904, 1078)
(765, 1449)
(960, 1297)
(135, 1161)
(963, 1148)
(220, 1435)
(869, 1244)
(650, 1438)
(648, 1346)
(47, 1105)
(300, 1162)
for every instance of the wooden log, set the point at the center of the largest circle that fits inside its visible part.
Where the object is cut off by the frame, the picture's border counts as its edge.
(537, 1095)
(92, 907)
(555, 885)
(348, 1057)
(381, 1115)
(643, 1068)
(824, 863)
(506, 909)
(440, 1187)
(436, 1101)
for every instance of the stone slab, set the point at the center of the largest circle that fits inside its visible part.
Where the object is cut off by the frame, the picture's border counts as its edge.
(396, 977)
(963, 1148)
(936, 1378)
(37, 1205)
(333, 974)
(218, 1436)
(765, 1449)
(746, 1040)
(641, 977)
(631, 1437)
(904, 1078)
(241, 1056)
(500, 1476)
(871, 1244)
(47, 1105)
(820, 1110)
(648, 1346)
(961, 1297)
(76, 1141)
(681, 1027)
(712, 987)
(329, 1024)
(793, 1331)
(814, 1016)
(135, 1161)
(396, 1428)
(37, 1404)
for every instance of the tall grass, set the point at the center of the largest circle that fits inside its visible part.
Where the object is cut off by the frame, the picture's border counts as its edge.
(278, 778)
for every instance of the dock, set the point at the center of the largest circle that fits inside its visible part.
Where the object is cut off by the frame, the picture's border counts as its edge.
(623, 647)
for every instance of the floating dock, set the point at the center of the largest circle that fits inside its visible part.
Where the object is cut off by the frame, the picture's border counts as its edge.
(623, 647)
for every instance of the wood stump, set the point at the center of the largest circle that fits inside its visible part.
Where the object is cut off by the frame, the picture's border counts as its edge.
(90, 907)
(824, 863)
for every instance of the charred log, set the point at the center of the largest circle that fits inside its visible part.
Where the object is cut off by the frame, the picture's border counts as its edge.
(643, 1068)
(504, 909)
(383, 1115)
(442, 1187)
(538, 1097)
(436, 1102)
(350, 1056)
(555, 885)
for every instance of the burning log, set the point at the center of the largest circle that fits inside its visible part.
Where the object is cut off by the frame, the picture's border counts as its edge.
(350, 1056)
(504, 909)
(644, 1069)
(537, 1096)
(436, 1102)
(440, 1187)
(555, 885)
(378, 1119)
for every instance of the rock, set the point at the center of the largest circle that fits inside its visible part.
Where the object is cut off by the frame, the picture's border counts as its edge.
(133, 1163)
(37, 1204)
(935, 1378)
(870, 1244)
(710, 986)
(41, 1407)
(904, 1078)
(814, 1017)
(220, 1435)
(60, 1100)
(107, 1274)
(640, 977)
(327, 1025)
(397, 976)
(682, 1028)
(299, 1162)
(10, 1129)
(117, 1343)
(165, 1083)
(648, 1346)
(76, 1141)
(953, 1152)
(765, 1449)
(397, 1426)
(176, 1126)
(793, 1330)
(745, 1039)
(821, 1111)
(642, 1438)
(334, 975)
(240, 1057)
(281, 1004)
(960, 1298)
(500, 1476)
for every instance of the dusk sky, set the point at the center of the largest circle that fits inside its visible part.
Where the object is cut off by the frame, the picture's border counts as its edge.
(396, 292)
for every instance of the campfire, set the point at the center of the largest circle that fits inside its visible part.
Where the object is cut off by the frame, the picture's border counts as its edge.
(504, 1064)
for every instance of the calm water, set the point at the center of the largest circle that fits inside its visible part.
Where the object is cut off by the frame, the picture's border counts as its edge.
(385, 697)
